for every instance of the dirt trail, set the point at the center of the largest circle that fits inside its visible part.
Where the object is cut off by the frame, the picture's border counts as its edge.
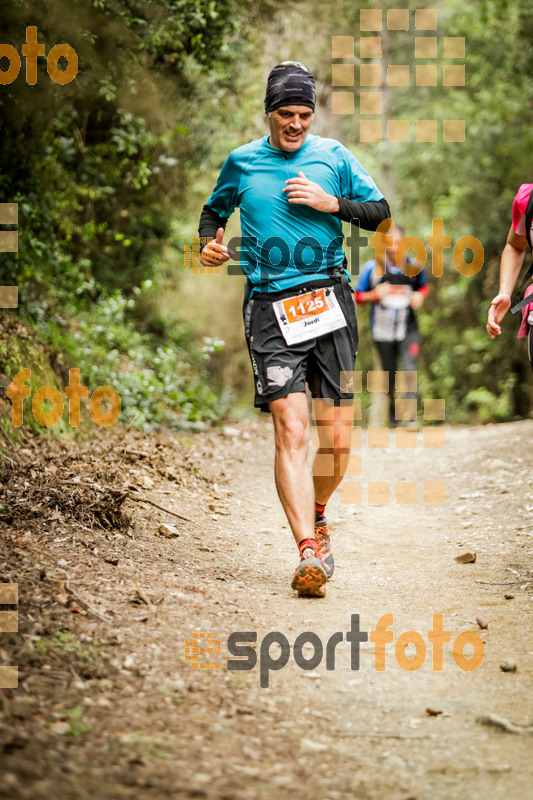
(112, 709)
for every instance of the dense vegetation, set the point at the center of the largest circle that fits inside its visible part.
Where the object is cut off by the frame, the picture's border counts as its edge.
(100, 169)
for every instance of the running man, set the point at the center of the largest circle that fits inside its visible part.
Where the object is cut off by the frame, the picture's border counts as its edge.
(395, 296)
(293, 190)
(511, 260)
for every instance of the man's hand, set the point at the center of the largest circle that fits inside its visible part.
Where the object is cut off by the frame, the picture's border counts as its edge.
(382, 290)
(303, 192)
(215, 253)
(416, 300)
(497, 311)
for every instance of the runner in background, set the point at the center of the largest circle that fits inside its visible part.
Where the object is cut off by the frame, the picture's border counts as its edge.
(511, 261)
(394, 297)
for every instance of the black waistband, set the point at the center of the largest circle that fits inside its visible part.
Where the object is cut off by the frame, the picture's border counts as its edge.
(319, 283)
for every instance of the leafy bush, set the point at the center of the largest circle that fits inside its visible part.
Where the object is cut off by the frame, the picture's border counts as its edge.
(160, 384)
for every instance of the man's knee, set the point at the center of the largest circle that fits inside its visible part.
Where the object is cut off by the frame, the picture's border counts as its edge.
(334, 426)
(292, 434)
(292, 428)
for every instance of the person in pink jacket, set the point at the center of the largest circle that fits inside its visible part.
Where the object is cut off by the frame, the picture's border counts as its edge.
(511, 260)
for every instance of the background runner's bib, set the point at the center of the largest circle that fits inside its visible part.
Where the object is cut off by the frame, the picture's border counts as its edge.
(306, 316)
(398, 297)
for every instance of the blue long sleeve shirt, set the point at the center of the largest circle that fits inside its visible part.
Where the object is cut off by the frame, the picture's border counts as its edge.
(285, 243)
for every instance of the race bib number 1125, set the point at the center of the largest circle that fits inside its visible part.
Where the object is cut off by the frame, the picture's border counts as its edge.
(306, 316)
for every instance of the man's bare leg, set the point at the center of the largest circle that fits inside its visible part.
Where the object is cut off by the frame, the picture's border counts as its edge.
(295, 489)
(334, 426)
(293, 480)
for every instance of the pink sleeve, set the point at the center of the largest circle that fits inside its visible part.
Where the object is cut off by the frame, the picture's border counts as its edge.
(519, 207)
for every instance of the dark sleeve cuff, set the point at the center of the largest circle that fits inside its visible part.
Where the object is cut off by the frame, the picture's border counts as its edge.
(366, 215)
(210, 222)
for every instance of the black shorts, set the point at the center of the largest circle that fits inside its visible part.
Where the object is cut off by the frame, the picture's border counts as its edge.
(280, 369)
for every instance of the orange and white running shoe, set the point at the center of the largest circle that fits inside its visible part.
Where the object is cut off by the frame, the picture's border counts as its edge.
(310, 577)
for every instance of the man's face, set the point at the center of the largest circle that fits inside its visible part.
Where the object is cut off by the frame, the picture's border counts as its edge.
(289, 126)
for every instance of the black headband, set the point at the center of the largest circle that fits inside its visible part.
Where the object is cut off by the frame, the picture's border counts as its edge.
(290, 84)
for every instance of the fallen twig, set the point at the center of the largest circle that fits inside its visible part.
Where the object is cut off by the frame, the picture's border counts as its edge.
(82, 601)
(142, 596)
(7, 457)
(381, 735)
(242, 610)
(499, 583)
(142, 499)
(504, 724)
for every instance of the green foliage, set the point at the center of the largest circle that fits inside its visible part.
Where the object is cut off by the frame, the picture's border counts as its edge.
(100, 168)
(490, 407)
(158, 383)
(74, 717)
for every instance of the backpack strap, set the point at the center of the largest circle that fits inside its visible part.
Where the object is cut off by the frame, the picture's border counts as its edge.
(529, 218)
(520, 303)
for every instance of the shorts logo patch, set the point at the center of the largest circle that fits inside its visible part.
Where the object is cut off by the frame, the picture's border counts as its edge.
(259, 387)
(347, 384)
(278, 376)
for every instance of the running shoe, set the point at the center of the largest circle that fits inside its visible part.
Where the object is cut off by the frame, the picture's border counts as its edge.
(322, 533)
(310, 576)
